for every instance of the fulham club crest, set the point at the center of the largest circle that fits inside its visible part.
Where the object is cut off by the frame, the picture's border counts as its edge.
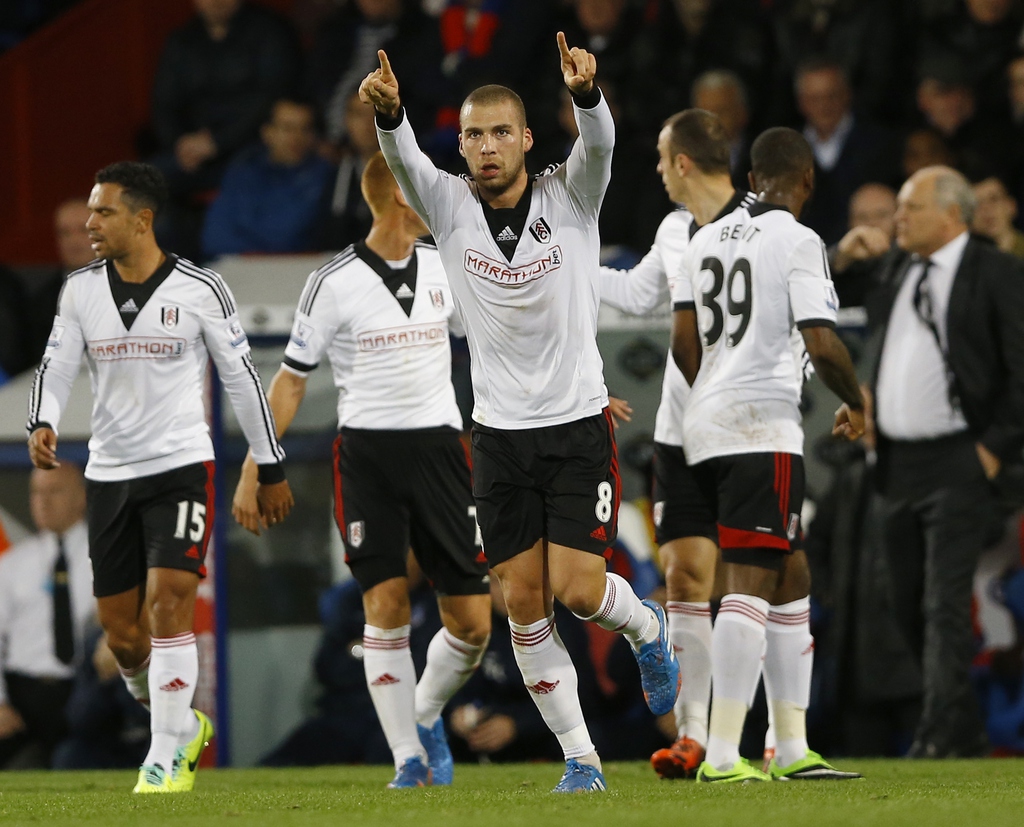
(356, 533)
(169, 316)
(437, 297)
(541, 231)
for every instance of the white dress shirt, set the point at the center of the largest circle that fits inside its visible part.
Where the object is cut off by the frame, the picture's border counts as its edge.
(913, 399)
(26, 604)
(828, 150)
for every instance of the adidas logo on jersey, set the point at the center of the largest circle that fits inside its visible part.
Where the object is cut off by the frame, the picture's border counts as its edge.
(385, 680)
(599, 534)
(174, 686)
(404, 292)
(129, 307)
(507, 235)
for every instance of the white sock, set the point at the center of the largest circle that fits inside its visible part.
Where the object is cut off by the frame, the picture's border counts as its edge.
(689, 628)
(450, 662)
(551, 678)
(737, 645)
(137, 681)
(621, 611)
(788, 662)
(391, 678)
(173, 674)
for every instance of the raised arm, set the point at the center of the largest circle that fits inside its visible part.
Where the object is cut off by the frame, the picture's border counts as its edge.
(637, 291)
(54, 378)
(423, 184)
(589, 166)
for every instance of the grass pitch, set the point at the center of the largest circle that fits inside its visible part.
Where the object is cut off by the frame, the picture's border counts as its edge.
(988, 793)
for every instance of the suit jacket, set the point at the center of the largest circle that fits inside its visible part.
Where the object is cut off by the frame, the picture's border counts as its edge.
(985, 332)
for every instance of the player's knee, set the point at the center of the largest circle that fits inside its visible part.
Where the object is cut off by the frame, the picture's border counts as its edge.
(127, 642)
(472, 631)
(386, 605)
(688, 583)
(582, 597)
(525, 604)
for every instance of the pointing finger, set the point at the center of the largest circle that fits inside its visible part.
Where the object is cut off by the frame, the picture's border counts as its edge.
(385, 64)
(563, 47)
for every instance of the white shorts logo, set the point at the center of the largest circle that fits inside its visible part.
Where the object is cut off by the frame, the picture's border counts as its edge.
(794, 527)
(355, 533)
(659, 512)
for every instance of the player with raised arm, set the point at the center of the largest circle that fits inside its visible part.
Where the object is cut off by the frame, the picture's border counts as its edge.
(748, 278)
(381, 311)
(147, 323)
(693, 152)
(521, 256)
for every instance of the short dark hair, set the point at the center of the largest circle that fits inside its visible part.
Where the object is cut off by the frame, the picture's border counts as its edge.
(780, 153)
(700, 136)
(493, 93)
(143, 185)
(820, 63)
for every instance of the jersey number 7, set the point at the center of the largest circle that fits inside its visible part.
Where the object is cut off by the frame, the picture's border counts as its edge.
(735, 307)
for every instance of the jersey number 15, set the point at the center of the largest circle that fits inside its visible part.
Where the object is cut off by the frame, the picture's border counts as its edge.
(738, 307)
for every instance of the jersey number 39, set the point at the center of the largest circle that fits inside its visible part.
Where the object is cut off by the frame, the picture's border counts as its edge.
(737, 299)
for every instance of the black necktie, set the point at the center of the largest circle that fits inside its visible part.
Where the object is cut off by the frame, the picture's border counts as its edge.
(63, 633)
(925, 309)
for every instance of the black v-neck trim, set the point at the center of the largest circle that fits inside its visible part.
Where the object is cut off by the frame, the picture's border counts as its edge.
(761, 207)
(739, 197)
(507, 224)
(394, 278)
(129, 297)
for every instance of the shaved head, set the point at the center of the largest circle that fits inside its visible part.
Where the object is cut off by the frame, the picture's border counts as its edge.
(494, 94)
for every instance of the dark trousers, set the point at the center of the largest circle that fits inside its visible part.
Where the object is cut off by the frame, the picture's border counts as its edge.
(938, 514)
(40, 702)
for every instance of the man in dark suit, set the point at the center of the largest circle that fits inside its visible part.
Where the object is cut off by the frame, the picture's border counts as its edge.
(949, 409)
(848, 150)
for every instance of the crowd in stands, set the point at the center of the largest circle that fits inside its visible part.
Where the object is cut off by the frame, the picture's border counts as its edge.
(259, 130)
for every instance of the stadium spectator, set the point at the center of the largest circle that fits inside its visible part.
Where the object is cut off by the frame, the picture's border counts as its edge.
(860, 36)
(74, 250)
(848, 151)
(45, 603)
(949, 408)
(347, 49)
(723, 93)
(682, 39)
(107, 727)
(273, 197)
(947, 103)
(349, 218)
(994, 216)
(215, 84)
(925, 148)
(872, 231)
(980, 36)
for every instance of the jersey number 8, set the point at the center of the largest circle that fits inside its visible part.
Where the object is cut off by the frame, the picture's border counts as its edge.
(737, 307)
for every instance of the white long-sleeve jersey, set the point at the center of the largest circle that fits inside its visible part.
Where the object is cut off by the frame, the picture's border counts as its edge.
(641, 290)
(148, 414)
(531, 322)
(392, 368)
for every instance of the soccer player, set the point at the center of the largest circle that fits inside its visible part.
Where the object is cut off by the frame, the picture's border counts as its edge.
(147, 323)
(381, 310)
(694, 153)
(748, 278)
(521, 256)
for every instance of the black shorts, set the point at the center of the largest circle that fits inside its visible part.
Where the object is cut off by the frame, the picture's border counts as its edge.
(396, 489)
(679, 510)
(754, 501)
(160, 521)
(559, 482)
